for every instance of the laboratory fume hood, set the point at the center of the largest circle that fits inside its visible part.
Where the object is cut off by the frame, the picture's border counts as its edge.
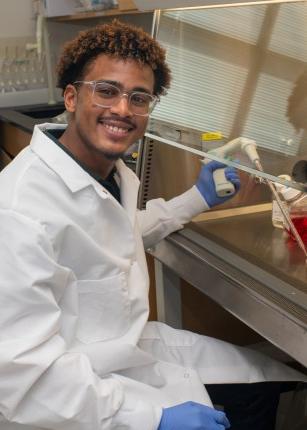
(238, 71)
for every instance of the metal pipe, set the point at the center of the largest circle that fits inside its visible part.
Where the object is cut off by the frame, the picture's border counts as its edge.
(155, 23)
(49, 68)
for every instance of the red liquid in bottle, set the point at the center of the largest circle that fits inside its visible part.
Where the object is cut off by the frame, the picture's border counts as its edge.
(300, 222)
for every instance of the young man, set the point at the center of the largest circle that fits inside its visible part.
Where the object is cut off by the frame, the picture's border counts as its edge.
(297, 103)
(76, 351)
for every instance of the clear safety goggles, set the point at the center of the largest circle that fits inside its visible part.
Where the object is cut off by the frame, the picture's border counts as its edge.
(107, 95)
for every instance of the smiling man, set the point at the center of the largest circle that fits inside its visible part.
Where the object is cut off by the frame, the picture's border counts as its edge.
(110, 109)
(76, 350)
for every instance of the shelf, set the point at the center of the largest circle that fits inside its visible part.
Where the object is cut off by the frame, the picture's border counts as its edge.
(97, 14)
(21, 98)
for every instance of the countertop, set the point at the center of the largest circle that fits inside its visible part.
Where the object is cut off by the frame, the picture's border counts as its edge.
(253, 238)
(250, 269)
(26, 117)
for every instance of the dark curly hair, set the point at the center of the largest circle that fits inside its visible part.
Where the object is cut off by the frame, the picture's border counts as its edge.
(297, 110)
(116, 39)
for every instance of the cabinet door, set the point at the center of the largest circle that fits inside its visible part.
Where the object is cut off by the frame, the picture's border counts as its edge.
(4, 159)
(13, 139)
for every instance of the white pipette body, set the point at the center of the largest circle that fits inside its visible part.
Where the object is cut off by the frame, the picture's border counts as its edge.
(248, 146)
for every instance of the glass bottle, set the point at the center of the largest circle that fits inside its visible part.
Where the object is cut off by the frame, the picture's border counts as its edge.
(289, 195)
(298, 214)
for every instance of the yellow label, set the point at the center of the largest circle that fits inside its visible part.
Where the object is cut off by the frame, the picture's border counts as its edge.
(212, 135)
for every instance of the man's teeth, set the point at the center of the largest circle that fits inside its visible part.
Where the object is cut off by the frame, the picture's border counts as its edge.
(116, 129)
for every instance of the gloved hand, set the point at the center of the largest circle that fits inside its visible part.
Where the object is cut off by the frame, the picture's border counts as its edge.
(205, 183)
(193, 416)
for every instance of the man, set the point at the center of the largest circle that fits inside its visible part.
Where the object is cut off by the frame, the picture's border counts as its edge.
(297, 103)
(76, 351)
(297, 116)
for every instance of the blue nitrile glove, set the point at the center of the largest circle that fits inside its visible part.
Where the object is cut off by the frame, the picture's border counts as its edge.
(205, 183)
(193, 416)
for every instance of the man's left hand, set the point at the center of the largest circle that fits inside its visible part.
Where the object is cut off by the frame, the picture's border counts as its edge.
(205, 183)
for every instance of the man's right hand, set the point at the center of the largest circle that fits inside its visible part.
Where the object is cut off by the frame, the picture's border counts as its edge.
(193, 416)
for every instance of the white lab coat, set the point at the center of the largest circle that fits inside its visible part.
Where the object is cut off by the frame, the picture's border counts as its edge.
(76, 351)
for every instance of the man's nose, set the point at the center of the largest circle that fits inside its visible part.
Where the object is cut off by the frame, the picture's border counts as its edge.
(122, 106)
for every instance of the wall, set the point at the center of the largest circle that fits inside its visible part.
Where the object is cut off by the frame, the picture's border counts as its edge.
(16, 18)
(23, 74)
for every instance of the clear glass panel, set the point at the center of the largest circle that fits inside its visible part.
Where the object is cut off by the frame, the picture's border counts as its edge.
(238, 71)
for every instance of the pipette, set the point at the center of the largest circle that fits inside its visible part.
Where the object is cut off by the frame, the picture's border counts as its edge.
(248, 146)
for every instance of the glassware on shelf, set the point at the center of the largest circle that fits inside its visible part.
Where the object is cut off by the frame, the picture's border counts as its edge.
(7, 72)
(42, 71)
(21, 69)
(24, 69)
(97, 4)
(16, 75)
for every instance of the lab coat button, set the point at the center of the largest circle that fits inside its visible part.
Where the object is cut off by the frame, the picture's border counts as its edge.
(186, 375)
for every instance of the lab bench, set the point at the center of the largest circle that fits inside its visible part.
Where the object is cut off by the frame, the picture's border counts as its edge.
(245, 265)
(240, 83)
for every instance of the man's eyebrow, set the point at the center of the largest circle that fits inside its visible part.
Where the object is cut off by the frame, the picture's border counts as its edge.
(142, 90)
(119, 85)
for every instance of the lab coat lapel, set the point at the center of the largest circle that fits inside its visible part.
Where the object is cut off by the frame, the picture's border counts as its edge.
(65, 166)
(129, 187)
(76, 178)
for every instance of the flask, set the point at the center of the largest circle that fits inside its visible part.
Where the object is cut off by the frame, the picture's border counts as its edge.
(298, 214)
(289, 196)
(295, 202)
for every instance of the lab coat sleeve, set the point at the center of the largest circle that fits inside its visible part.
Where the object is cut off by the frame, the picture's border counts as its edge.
(42, 383)
(161, 217)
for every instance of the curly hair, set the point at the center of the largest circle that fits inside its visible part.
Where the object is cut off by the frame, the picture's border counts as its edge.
(296, 110)
(118, 40)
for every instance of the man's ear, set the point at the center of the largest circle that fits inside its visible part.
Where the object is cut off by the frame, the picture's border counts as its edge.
(70, 98)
